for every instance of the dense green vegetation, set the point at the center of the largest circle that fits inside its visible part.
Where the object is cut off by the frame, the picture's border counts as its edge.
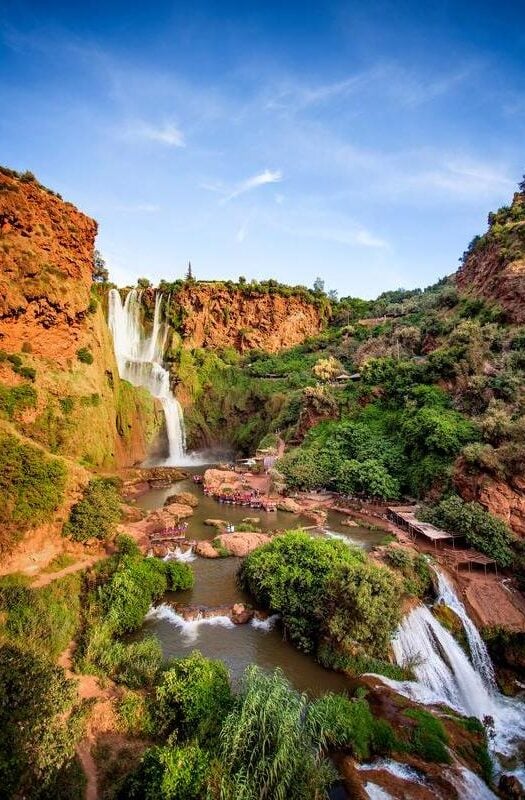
(119, 593)
(483, 531)
(31, 488)
(325, 592)
(95, 516)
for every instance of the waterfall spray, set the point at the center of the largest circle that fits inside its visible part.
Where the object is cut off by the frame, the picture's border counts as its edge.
(139, 360)
(444, 674)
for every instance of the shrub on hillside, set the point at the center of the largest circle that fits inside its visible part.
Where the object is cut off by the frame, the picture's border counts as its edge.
(85, 355)
(192, 698)
(38, 735)
(482, 530)
(16, 398)
(171, 772)
(95, 516)
(341, 722)
(31, 487)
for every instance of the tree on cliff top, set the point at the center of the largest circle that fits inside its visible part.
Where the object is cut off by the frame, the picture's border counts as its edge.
(189, 273)
(521, 185)
(100, 272)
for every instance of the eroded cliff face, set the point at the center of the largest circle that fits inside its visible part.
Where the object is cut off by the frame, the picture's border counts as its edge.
(505, 499)
(494, 267)
(216, 317)
(48, 312)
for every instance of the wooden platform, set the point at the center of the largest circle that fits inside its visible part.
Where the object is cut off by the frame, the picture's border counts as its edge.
(405, 517)
(469, 558)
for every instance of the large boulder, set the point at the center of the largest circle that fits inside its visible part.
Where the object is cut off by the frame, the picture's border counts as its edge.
(241, 543)
(216, 523)
(218, 481)
(178, 510)
(287, 504)
(205, 549)
(182, 498)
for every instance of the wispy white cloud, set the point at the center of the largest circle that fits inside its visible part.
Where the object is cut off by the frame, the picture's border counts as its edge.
(167, 133)
(142, 208)
(263, 178)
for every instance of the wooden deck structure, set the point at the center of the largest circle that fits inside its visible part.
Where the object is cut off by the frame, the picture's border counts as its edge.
(468, 558)
(405, 517)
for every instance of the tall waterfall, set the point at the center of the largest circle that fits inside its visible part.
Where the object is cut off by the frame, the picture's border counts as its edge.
(446, 675)
(139, 360)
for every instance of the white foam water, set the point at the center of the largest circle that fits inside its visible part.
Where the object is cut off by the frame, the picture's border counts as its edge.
(403, 771)
(139, 359)
(188, 628)
(445, 675)
(468, 785)
(375, 792)
(265, 624)
(186, 556)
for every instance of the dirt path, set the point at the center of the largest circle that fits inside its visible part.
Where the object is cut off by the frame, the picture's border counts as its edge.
(45, 578)
(101, 719)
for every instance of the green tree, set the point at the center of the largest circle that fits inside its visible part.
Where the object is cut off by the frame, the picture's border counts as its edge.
(37, 735)
(172, 772)
(367, 477)
(361, 608)
(192, 698)
(100, 272)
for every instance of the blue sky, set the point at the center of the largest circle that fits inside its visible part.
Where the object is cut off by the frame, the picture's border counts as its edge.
(364, 142)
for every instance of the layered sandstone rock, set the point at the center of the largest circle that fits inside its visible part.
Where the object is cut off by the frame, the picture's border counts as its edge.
(495, 267)
(215, 316)
(240, 544)
(505, 500)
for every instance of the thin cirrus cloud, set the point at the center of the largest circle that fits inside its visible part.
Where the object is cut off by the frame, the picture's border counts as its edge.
(263, 178)
(168, 133)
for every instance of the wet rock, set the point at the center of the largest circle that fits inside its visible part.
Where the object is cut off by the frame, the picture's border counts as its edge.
(205, 549)
(511, 788)
(251, 520)
(240, 544)
(178, 510)
(350, 523)
(287, 504)
(240, 614)
(182, 498)
(132, 513)
(216, 523)
(317, 515)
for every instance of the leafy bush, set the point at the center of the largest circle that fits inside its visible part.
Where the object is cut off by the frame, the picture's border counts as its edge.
(289, 575)
(368, 477)
(85, 355)
(267, 745)
(16, 398)
(482, 530)
(361, 608)
(44, 619)
(97, 513)
(343, 723)
(27, 372)
(134, 716)
(174, 772)
(31, 487)
(37, 735)
(192, 698)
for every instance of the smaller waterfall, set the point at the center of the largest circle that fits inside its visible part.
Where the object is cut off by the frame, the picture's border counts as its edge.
(139, 360)
(478, 650)
(445, 675)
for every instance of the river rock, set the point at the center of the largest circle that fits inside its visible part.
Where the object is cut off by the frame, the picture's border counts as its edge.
(241, 543)
(350, 523)
(240, 614)
(317, 515)
(183, 498)
(179, 510)
(216, 523)
(511, 788)
(251, 520)
(287, 504)
(205, 549)
(218, 481)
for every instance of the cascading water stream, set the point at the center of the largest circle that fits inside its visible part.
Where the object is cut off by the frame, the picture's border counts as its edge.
(445, 674)
(139, 360)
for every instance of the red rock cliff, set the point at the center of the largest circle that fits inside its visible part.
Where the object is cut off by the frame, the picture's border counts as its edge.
(494, 267)
(215, 316)
(46, 256)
